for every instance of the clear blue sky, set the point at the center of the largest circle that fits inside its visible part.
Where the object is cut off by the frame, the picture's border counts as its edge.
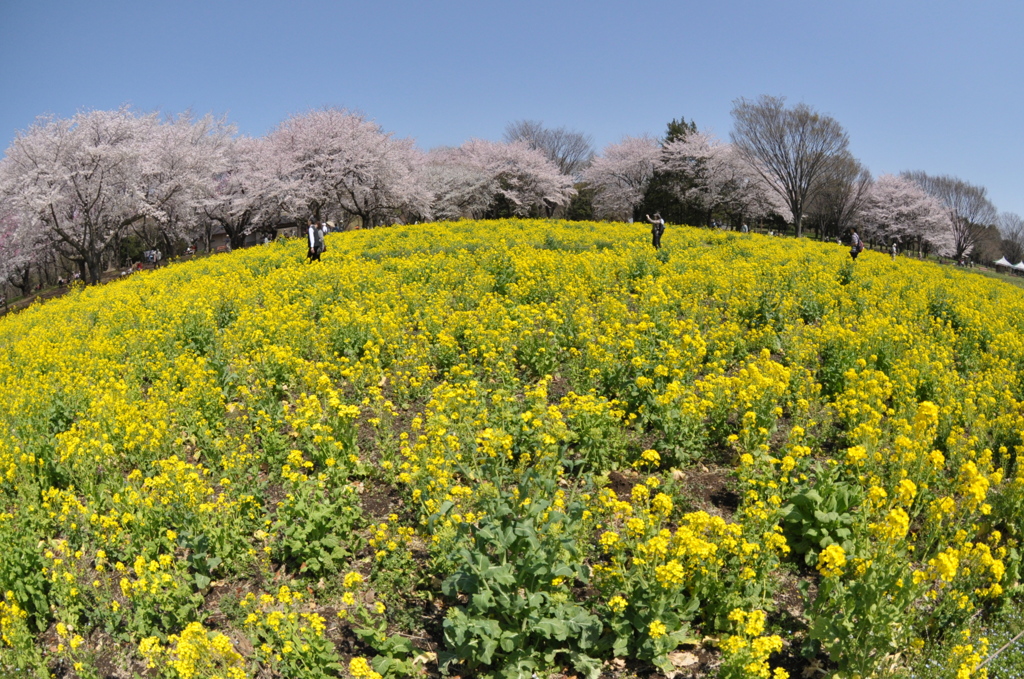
(933, 86)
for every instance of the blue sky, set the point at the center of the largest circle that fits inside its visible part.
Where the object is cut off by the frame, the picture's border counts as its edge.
(934, 86)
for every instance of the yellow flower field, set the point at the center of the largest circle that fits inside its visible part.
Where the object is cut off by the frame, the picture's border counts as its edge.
(480, 448)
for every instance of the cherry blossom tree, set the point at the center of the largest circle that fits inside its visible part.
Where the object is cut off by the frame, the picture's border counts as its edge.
(487, 178)
(716, 177)
(253, 191)
(969, 210)
(343, 163)
(20, 247)
(896, 208)
(84, 182)
(522, 177)
(459, 188)
(181, 161)
(79, 180)
(620, 176)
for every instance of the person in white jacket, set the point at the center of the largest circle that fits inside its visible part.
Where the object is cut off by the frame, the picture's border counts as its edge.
(316, 241)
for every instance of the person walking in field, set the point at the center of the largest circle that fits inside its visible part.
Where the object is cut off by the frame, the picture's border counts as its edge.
(856, 244)
(316, 241)
(657, 228)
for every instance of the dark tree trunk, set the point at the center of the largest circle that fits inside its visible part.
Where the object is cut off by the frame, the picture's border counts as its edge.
(93, 268)
(23, 281)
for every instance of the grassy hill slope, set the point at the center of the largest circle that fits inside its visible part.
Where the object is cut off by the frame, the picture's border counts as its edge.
(512, 447)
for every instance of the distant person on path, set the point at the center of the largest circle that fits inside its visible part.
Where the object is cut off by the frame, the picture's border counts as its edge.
(856, 244)
(316, 241)
(892, 251)
(657, 228)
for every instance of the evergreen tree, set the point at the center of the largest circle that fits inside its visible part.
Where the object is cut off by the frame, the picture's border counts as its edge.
(678, 129)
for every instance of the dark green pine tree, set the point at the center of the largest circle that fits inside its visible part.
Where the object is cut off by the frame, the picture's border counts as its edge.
(678, 129)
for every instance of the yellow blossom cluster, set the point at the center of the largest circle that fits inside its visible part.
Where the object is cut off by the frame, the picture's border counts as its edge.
(746, 651)
(360, 669)
(965, 658)
(831, 561)
(13, 630)
(285, 630)
(195, 653)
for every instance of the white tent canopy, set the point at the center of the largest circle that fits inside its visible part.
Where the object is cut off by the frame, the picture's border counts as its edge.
(1019, 266)
(1002, 262)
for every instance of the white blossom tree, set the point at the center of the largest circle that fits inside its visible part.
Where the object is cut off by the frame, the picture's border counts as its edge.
(523, 177)
(896, 208)
(484, 177)
(79, 180)
(969, 210)
(343, 163)
(253, 191)
(717, 177)
(458, 187)
(181, 161)
(621, 174)
(83, 182)
(21, 247)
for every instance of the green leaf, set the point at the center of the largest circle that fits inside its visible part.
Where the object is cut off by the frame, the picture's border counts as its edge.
(664, 664)
(482, 600)
(489, 646)
(563, 571)
(507, 643)
(620, 647)
(502, 575)
(792, 514)
(691, 608)
(589, 667)
(812, 496)
(546, 628)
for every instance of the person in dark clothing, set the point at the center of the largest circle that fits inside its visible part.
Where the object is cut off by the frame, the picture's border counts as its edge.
(856, 244)
(657, 228)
